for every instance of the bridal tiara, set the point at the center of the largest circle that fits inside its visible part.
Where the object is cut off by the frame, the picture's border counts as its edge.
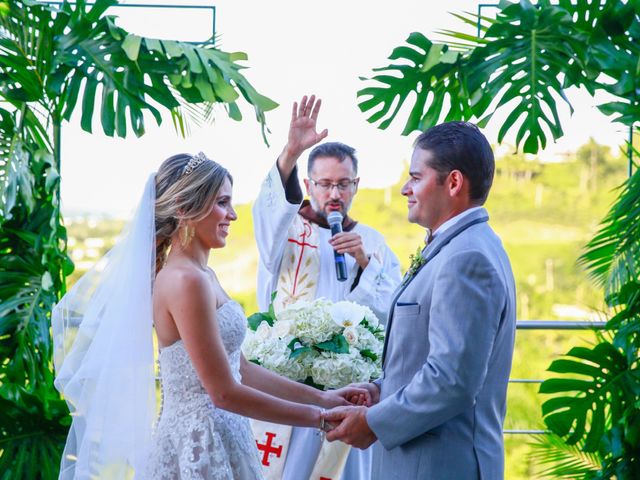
(196, 160)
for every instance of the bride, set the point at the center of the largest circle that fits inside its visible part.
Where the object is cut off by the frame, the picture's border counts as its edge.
(157, 276)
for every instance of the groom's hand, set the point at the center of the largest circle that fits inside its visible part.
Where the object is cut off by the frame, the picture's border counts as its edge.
(351, 426)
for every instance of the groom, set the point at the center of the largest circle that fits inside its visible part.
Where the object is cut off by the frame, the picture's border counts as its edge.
(451, 326)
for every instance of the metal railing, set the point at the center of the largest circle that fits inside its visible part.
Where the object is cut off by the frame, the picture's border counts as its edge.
(548, 325)
(175, 6)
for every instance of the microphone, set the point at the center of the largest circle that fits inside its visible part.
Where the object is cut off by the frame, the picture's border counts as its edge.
(335, 222)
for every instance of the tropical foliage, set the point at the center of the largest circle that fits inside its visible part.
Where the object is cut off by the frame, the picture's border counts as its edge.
(56, 60)
(520, 64)
(598, 407)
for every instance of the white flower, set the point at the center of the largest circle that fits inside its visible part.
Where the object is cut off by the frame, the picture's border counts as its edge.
(263, 331)
(351, 334)
(371, 317)
(338, 370)
(311, 323)
(282, 328)
(347, 314)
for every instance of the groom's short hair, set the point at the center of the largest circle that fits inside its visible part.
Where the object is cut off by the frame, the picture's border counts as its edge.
(337, 150)
(460, 146)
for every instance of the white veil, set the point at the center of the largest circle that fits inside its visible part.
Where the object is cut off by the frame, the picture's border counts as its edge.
(103, 355)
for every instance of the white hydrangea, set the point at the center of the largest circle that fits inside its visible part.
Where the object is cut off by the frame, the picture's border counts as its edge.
(312, 323)
(280, 363)
(371, 317)
(337, 370)
(368, 341)
(256, 348)
(263, 331)
(283, 328)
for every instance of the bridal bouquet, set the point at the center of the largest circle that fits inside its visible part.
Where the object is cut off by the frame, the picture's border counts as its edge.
(321, 343)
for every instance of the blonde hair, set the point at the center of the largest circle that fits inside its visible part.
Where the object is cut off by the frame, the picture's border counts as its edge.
(182, 196)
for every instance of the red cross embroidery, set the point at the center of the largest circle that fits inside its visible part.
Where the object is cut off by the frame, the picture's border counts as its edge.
(268, 448)
(302, 243)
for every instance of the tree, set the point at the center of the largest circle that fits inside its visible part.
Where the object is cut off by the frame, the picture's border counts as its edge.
(54, 61)
(521, 64)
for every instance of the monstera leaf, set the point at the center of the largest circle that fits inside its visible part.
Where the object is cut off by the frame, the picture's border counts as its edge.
(527, 53)
(431, 72)
(521, 64)
(81, 58)
(606, 381)
(32, 433)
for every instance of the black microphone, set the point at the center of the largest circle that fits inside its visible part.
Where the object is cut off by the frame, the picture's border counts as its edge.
(335, 222)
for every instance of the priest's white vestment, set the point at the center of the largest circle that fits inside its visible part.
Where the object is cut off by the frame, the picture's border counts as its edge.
(280, 229)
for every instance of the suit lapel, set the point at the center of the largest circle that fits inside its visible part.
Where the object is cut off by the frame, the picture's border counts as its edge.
(431, 251)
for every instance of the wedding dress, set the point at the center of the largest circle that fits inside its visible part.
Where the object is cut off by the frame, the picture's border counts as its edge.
(103, 355)
(193, 439)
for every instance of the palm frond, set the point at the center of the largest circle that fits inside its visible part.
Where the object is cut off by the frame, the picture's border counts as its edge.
(562, 460)
(611, 256)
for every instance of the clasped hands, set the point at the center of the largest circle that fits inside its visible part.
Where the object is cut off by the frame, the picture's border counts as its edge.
(348, 422)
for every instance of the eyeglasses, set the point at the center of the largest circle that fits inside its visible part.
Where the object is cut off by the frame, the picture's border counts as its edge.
(342, 185)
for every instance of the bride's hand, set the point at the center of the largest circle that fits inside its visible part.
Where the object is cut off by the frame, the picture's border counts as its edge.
(346, 396)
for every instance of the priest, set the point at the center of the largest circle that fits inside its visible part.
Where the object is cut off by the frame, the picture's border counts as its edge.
(297, 255)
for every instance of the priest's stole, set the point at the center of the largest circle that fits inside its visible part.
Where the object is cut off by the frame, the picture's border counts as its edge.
(274, 444)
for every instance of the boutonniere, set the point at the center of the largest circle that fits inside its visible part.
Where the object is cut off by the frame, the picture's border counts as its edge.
(417, 260)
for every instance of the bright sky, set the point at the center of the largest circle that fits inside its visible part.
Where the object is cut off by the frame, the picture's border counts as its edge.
(294, 48)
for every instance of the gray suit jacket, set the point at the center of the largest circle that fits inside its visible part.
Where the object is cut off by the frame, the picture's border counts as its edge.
(447, 359)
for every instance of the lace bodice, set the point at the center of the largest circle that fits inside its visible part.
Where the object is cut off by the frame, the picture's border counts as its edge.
(180, 382)
(193, 438)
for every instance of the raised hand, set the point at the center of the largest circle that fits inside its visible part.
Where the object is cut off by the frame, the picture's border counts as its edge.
(302, 133)
(302, 130)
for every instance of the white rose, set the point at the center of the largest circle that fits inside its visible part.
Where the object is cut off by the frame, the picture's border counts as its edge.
(351, 334)
(347, 314)
(263, 331)
(282, 328)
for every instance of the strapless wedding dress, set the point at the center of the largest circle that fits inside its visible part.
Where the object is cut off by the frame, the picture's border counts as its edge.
(193, 439)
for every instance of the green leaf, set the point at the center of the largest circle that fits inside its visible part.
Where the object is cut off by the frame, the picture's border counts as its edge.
(292, 344)
(272, 312)
(369, 354)
(88, 103)
(309, 381)
(256, 319)
(426, 70)
(131, 46)
(337, 344)
(299, 351)
(588, 405)
(562, 460)
(121, 115)
(108, 111)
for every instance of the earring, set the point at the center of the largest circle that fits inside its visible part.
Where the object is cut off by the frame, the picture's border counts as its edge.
(186, 234)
